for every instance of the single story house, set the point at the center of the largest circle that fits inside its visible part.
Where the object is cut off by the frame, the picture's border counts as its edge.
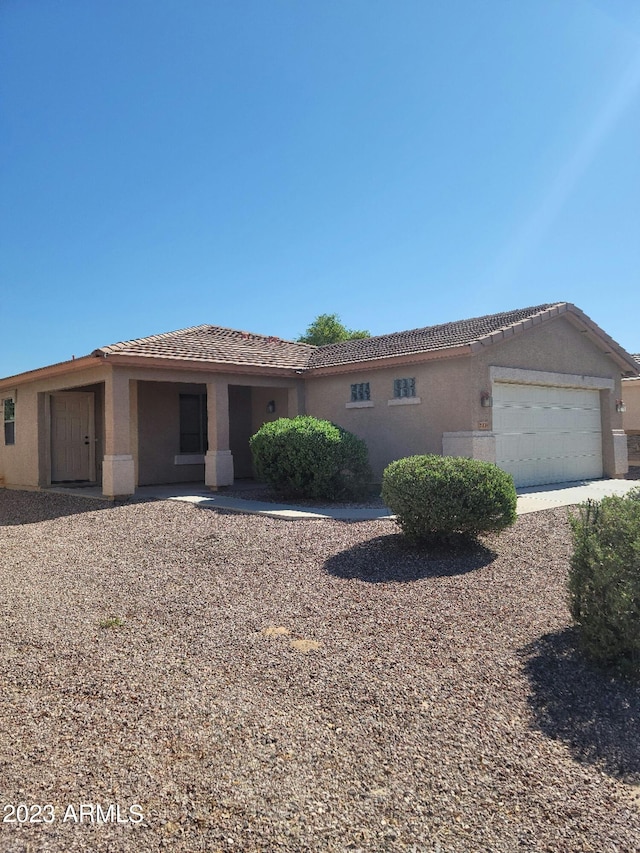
(536, 390)
(631, 416)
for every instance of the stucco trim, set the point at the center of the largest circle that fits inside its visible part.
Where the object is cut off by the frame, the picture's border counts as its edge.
(360, 404)
(189, 459)
(543, 377)
(475, 444)
(63, 367)
(404, 401)
(213, 367)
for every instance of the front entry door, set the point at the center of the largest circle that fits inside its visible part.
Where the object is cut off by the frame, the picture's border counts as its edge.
(73, 453)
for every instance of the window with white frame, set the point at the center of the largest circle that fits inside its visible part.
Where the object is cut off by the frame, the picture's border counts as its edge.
(9, 416)
(360, 391)
(404, 387)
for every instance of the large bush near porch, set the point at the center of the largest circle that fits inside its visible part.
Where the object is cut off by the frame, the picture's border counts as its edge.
(604, 580)
(307, 457)
(435, 497)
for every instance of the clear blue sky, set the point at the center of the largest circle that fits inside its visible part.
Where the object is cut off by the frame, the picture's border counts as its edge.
(254, 163)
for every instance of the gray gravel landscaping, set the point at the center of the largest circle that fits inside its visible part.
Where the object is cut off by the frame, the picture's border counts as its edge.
(261, 685)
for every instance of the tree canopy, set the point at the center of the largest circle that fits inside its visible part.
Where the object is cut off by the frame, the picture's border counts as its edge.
(327, 329)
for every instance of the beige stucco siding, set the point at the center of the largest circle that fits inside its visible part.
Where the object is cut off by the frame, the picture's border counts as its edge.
(247, 413)
(260, 398)
(556, 347)
(25, 463)
(631, 418)
(158, 412)
(631, 397)
(159, 433)
(394, 431)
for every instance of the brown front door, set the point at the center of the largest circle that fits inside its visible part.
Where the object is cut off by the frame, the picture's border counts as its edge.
(73, 452)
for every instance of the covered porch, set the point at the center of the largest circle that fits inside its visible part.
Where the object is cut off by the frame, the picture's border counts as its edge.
(132, 430)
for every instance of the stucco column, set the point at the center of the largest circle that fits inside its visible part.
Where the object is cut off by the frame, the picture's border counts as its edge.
(295, 400)
(218, 463)
(619, 465)
(118, 469)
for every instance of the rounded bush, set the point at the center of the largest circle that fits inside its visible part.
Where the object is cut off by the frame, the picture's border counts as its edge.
(307, 457)
(604, 580)
(436, 496)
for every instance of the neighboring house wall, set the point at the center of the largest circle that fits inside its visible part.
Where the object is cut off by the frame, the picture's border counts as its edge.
(395, 428)
(631, 418)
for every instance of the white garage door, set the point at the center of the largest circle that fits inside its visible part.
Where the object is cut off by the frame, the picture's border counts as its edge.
(546, 434)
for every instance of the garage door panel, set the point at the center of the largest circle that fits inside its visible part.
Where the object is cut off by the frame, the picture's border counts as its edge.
(547, 434)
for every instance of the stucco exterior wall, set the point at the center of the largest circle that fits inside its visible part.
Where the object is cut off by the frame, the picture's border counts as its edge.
(159, 433)
(159, 426)
(631, 397)
(393, 431)
(23, 464)
(260, 398)
(557, 346)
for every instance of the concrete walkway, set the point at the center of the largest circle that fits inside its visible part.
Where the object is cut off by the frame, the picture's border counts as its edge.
(530, 499)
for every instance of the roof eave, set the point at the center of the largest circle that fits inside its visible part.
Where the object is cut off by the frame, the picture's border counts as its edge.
(578, 319)
(200, 365)
(72, 366)
(389, 361)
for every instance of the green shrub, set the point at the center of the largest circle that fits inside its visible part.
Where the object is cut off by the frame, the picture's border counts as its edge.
(434, 497)
(307, 457)
(604, 580)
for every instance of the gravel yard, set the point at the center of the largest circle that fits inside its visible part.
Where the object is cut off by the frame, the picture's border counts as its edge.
(261, 685)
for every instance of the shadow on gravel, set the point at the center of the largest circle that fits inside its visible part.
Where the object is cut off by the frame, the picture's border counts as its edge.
(21, 507)
(393, 558)
(596, 715)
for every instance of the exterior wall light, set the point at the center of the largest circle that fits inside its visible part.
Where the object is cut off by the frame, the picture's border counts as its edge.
(620, 406)
(271, 406)
(486, 400)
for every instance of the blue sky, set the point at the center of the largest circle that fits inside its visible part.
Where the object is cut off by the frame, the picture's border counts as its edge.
(254, 163)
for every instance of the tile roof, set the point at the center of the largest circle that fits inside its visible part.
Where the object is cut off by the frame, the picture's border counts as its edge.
(426, 339)
(216, 344)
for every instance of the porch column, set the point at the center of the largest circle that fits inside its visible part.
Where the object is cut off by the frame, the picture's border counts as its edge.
(295, 400)
(218, 463)
(118, 469)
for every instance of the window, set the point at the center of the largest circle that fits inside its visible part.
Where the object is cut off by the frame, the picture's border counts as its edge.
(193, 423)
(360, 391)
(404, 387)
(9, 415)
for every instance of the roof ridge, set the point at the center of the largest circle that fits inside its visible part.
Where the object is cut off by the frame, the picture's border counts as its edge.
(157, 337)
(202, 327)
(538, 309)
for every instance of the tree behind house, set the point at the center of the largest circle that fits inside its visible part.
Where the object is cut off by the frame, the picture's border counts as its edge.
(327, 329)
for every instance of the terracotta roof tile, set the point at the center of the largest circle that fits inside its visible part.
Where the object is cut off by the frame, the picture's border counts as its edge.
(426, 339)
(216, 344)
(219, 345)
